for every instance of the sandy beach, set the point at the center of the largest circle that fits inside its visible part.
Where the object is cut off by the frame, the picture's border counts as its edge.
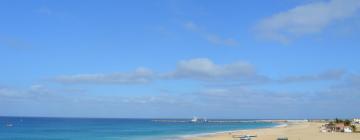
(298, 131)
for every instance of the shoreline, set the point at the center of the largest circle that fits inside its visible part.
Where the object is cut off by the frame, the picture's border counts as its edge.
(209, 134)
(294, 131)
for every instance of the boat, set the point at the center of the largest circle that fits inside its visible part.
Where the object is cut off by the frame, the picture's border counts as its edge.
(194, 119)
(198, 120)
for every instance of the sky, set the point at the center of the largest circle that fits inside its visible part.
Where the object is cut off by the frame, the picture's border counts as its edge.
(249, 59)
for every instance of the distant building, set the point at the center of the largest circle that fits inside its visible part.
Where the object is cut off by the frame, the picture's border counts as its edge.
(356, 120)
(348, 130)
(340, 127)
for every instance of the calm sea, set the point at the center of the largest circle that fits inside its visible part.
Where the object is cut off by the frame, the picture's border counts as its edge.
(112, 129)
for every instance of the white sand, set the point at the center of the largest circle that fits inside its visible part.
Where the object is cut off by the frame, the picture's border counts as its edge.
(299, 131)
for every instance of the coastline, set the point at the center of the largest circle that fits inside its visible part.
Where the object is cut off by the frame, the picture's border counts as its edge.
(212, 134)
(293, 130)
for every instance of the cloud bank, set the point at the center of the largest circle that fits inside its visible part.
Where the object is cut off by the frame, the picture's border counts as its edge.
(205, 69)
(324, 76)
(210, 37)
(198, 69)
(306, 19)
(254, 101)
(139, 76)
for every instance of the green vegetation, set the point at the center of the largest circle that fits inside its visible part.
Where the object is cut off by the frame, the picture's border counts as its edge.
(338, 120)
(347, 122)
(353, 127)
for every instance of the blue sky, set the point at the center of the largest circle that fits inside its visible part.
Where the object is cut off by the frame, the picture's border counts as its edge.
(180, 58)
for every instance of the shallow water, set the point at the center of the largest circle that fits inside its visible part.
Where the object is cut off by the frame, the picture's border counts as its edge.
(111, 129)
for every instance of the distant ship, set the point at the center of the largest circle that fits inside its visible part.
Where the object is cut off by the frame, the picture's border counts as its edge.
(198, 120)
(194, 119)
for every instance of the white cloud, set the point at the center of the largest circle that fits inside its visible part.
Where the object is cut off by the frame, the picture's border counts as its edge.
(202, 69)
(288, 102)
(306, 19)
(199, 69)
(34, 92)
(350, 81)
(355, 80)
(210, 37)
(215, 39)
(205, 69)
(324, 76)
(8, 92)
(245, 95)
(139, 76)
(254, 101)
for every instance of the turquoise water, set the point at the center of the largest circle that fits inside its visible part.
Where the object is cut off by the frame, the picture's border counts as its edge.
(111, 129)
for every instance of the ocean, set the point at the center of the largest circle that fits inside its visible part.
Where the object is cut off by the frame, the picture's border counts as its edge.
(31, 128)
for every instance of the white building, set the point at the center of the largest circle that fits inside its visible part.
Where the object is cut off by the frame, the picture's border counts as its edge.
(347, 130)
(356, 120)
